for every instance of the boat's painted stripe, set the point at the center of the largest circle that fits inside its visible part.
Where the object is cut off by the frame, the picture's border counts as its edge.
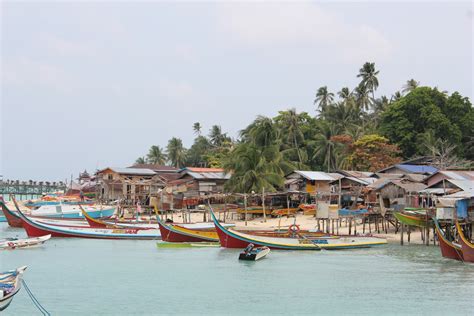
(172, 229)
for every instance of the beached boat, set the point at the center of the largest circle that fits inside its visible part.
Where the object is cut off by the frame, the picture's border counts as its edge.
(449, 249)
(72, 211)
(413, 218)
(36, 228)
(10, 284)
(252, 253)
(467, 247)
(14, 243)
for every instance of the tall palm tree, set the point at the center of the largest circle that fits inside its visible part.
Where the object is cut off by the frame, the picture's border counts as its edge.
(197, 128)
(216, 136)
(325, 146)
(156, 155)
(323, 98)
(263, 132)
(396, 96)
(176, 152)
(362, 97)
(290, 125)
(411, 85)
(345, 94)
(369, 77)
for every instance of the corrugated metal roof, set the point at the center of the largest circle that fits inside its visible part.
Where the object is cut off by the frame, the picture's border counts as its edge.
(465, 185)
(436, 190)
(315, 175)
(209, 175)
(458, 175)
(336, 175)
(134, 171)
(417, 168)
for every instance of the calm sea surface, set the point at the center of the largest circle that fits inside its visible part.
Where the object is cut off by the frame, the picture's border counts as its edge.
(102, 277)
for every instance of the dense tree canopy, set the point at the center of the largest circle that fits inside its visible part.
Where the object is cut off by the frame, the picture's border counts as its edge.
(351, 129)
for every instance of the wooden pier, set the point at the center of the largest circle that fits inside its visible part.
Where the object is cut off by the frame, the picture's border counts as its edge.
(24, 190)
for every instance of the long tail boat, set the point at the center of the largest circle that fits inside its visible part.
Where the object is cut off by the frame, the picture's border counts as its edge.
(14, 243)
(175, 233)
(413, 219)
(10, 284)
(467, 247)
(36, 228)
(12, 219)
(448, 248)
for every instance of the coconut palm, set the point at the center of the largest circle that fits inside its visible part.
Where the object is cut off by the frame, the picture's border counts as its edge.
(290, 124)
(176, 152)
(345, 94)
(362, 97)
(369, 77)
(323, 98)
(263, 132)
(325, 146)
(156, 155)
(216, 136)
(140, 161)
(197, 128)
(411, 85)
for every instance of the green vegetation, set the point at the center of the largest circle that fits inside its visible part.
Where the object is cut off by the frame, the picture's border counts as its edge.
(352, 129)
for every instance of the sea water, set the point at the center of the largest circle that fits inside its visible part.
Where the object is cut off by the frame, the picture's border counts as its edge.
(114, 277)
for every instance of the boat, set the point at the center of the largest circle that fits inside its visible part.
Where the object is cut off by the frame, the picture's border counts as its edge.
(449, 249)
(71, 211)
(467, 247)
(187, 244)
(10, 284)
(229, 238)
(252, 253)
(12, 219)
(176, 233)
(413, 218)
(14, 243)
(36, 228)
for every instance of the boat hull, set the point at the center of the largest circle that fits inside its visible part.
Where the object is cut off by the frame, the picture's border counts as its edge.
(14, 278)
(12, 219)
(172, 233)
(448, 249)
(467, 247)
(35, 228)
(411, 220)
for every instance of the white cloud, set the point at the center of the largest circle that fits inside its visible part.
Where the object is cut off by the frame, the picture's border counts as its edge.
(275, 25)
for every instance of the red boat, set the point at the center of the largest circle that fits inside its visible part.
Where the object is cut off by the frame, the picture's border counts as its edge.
(448, 248)
(467, 246)
(174, 233)
(12, 219)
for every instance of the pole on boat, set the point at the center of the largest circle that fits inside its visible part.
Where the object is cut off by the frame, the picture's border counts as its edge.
(245, 206)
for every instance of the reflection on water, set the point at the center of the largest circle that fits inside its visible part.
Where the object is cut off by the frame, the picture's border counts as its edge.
(79, 276)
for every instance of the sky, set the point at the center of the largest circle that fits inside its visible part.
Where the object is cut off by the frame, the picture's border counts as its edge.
(87, 85)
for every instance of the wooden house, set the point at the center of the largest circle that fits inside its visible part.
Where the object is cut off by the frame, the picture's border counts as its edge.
(311, 182)
(195, 182)
(398, 193)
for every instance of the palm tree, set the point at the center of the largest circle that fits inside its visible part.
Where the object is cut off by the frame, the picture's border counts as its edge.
(290, 124)
(411, 85)
(216, 136)
(262, 132)
(176, 152)
(345, 94)
(325, 147)
(369, 77)
(197, 128)
(140, 161)
(323, 98)
(362, 96)
(396, 96)
(156, 155)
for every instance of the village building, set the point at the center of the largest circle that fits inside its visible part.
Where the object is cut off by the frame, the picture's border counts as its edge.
(196, 182)
(409, 169)
(398, 193)
(311, 182)
(449, 174)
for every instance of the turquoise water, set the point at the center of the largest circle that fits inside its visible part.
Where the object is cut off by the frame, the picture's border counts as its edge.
(102, 277)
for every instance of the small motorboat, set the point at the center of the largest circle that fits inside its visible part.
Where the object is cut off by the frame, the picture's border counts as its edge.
(14, 243)
(10, 284)
(253, 253)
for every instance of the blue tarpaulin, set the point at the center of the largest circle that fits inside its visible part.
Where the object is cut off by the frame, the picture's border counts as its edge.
(461, 208)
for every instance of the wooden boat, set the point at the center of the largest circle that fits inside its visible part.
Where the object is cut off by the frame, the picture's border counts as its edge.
(175, 233)
(448, 248)
(187, 244)
(72, 211)
(14, 243)
(467, 247)
(36, 228)
(412, 219)
(233, 239)
(252, 253)
(12, 219)
(10, 284)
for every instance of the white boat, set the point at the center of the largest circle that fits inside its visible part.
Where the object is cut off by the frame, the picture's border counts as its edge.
(10, 284)
(14, 243)
(252, 253)
(72, 211)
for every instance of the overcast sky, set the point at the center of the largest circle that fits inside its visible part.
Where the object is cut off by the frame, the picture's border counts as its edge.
(90, 85)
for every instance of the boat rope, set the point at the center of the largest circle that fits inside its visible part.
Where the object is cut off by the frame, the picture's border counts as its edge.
(35, 300)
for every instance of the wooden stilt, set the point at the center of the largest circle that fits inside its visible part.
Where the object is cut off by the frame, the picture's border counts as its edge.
(401, 233)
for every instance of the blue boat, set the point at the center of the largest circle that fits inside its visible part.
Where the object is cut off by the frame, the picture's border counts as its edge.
(72, 212)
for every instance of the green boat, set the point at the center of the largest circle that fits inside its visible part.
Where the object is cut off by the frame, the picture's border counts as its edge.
(186, 244)
(417, 218)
